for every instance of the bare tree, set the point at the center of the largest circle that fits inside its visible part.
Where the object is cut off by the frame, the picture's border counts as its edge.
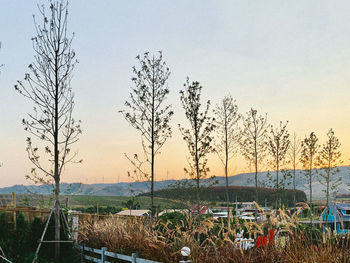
(293, 154)
(226, 121)
(278, 145)
(253, 142)
(328, 160)
(48, 86)
(147, 112)
(198, 136)
(309, 148)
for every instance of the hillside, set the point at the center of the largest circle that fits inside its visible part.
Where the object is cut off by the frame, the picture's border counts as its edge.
(267, 196)
(127, 189)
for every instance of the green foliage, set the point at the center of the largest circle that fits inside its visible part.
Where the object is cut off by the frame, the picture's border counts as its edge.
(172, 219)
(241, 193)
(20, 244)
(35, 231)
(4, 231)
(112, 204)
(132, 203)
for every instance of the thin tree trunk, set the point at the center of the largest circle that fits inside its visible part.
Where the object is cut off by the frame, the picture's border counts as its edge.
(256, 174)
(56, 159)
(329, 172)
(152, 157)
(227, 193)
(57, 220)
(197, 167)
(328, 178)
(277, 168)
(294, 186)
(226, 161)
(327, 194)
(197, 181)
(310, 186)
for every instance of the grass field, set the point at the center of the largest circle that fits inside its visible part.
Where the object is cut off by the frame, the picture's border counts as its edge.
(86, 201)
(119, 201)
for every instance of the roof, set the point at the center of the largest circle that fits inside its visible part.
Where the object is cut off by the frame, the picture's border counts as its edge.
(182, 211)
(133, 212)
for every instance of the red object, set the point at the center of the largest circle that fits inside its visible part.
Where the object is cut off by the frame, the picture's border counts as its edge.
(262, 240)
(272, 236)
(194, 210)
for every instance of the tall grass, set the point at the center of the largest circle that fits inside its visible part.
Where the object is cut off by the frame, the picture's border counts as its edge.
(212, 240)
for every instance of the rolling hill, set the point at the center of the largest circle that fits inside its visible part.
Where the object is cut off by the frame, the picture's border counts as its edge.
(128, 189)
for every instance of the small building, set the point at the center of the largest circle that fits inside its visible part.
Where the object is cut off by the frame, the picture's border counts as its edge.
(203, 210)
(337, 216)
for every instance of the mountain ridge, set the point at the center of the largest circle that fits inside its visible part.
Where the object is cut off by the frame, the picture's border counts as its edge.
(129, 189)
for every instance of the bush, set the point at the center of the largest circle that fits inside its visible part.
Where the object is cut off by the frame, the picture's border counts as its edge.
(213, 240)
(20, 244)
(4, 232)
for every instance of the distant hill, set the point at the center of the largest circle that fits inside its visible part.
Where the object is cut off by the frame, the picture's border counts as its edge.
(128, 189)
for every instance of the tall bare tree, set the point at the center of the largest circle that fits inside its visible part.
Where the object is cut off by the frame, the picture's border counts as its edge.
(278, 145)
(147, 113)
(48, 86)
(198, 136)
(328, 160)
(293, 154)
(226, 121)
(253, 142)
(309, 148)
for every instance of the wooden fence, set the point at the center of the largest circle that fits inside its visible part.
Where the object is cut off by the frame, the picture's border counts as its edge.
(103, 256)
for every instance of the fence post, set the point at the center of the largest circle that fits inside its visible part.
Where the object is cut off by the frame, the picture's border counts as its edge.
(82, 253)
(134, 256)
(103, 256)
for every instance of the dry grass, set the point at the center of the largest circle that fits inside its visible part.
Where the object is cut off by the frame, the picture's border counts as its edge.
(213, 241)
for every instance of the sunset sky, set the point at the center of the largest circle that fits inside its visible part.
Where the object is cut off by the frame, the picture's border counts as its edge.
(289, 59)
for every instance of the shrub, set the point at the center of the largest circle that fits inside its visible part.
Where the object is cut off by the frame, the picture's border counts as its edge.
(213, 240)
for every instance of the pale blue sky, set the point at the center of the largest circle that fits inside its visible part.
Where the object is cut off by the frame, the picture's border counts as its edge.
(287, 58)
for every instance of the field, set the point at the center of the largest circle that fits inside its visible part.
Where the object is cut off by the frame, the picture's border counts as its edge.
(90, 202)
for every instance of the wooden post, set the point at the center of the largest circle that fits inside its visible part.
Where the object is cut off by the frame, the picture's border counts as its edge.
(14, 199)
(98, 211)
(103, 256)
(134, 256)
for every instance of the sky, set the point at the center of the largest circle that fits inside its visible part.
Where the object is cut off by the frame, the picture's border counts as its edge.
(289, 59)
